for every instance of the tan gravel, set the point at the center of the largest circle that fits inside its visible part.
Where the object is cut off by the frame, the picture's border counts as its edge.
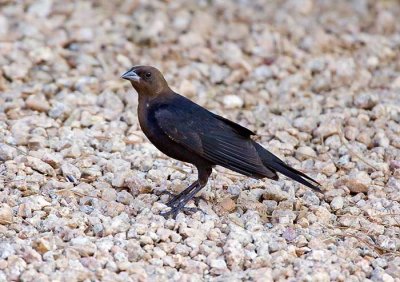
(319, 81)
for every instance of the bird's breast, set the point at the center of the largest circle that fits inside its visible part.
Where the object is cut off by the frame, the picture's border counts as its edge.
(149, 125)
(159, 138)
(147, 120)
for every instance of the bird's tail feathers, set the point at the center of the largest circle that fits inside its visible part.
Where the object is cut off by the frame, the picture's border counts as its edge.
(274, 163)
(294, 174)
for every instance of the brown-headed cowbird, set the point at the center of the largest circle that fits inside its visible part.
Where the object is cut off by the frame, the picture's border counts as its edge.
(185, 131)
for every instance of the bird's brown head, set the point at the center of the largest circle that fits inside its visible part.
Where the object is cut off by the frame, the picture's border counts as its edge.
(147, 80)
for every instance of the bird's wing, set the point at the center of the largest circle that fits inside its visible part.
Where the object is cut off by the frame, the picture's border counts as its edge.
(212, 137)
(237, 127)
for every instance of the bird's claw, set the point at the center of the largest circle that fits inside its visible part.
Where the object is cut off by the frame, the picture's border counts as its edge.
(175, 210)
(165, 192)
(172, 195)
(178, 202)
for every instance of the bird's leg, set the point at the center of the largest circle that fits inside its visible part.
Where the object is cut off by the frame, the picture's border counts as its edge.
(178, 202)
(176, 198)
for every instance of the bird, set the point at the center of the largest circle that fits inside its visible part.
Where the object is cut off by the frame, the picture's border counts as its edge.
(185, 131)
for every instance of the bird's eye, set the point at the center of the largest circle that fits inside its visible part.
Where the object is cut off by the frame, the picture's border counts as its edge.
(148, 74)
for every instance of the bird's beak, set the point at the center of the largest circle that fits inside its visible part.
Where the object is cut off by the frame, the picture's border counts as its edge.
(131, 75)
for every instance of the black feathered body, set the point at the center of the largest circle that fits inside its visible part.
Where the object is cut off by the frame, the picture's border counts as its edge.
(147, 119)
(194, 134)
(200, 137)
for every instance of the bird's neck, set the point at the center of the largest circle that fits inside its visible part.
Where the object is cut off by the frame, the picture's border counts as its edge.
(161, 95)
(145, 101)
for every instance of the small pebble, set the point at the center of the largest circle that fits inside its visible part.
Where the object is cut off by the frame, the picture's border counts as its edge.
(6, 214)
(232, 101)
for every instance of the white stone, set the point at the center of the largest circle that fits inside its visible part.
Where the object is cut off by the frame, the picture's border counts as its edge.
(232, 101)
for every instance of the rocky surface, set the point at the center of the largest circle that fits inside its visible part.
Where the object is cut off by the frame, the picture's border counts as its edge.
(319, 81)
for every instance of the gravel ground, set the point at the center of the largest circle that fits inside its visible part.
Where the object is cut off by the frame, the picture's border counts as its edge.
(319, 81)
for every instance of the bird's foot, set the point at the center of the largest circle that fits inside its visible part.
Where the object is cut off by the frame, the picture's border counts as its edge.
(178, 202)
(175, 210)
(165, 192)
(173, 198)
